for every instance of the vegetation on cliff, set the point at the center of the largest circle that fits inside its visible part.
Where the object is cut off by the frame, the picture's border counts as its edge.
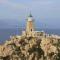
(26, 48)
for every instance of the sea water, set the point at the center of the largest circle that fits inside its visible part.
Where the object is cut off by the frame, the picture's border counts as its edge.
(7, 32)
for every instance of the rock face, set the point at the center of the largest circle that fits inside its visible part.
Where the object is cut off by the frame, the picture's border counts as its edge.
(29, 48)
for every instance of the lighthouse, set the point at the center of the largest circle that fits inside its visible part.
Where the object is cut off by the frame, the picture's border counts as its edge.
(30, 28)
(29, 25)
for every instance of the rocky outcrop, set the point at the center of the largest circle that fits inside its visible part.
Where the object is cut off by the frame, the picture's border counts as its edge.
(27, 48)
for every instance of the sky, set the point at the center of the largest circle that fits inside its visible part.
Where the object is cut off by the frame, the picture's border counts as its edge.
(13, 13)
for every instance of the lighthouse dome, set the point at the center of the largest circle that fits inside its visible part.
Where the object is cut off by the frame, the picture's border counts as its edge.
(30, 17)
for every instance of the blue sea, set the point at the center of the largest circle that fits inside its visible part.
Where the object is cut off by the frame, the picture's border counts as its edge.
(7, 32)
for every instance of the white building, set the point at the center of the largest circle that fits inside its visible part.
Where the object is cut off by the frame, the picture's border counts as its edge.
(30, 29)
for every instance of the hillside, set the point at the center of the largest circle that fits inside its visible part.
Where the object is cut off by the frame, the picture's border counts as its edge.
(25, 48)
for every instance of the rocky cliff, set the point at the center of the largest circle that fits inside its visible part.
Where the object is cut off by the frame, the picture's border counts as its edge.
(28, 48)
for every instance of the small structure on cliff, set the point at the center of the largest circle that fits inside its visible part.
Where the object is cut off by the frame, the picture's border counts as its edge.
(30, 28)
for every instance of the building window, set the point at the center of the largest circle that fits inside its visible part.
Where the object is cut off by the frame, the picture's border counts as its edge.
(31, 29)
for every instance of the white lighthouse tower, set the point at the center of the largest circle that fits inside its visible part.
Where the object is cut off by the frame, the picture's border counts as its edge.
(30, 29)
(29, 25)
